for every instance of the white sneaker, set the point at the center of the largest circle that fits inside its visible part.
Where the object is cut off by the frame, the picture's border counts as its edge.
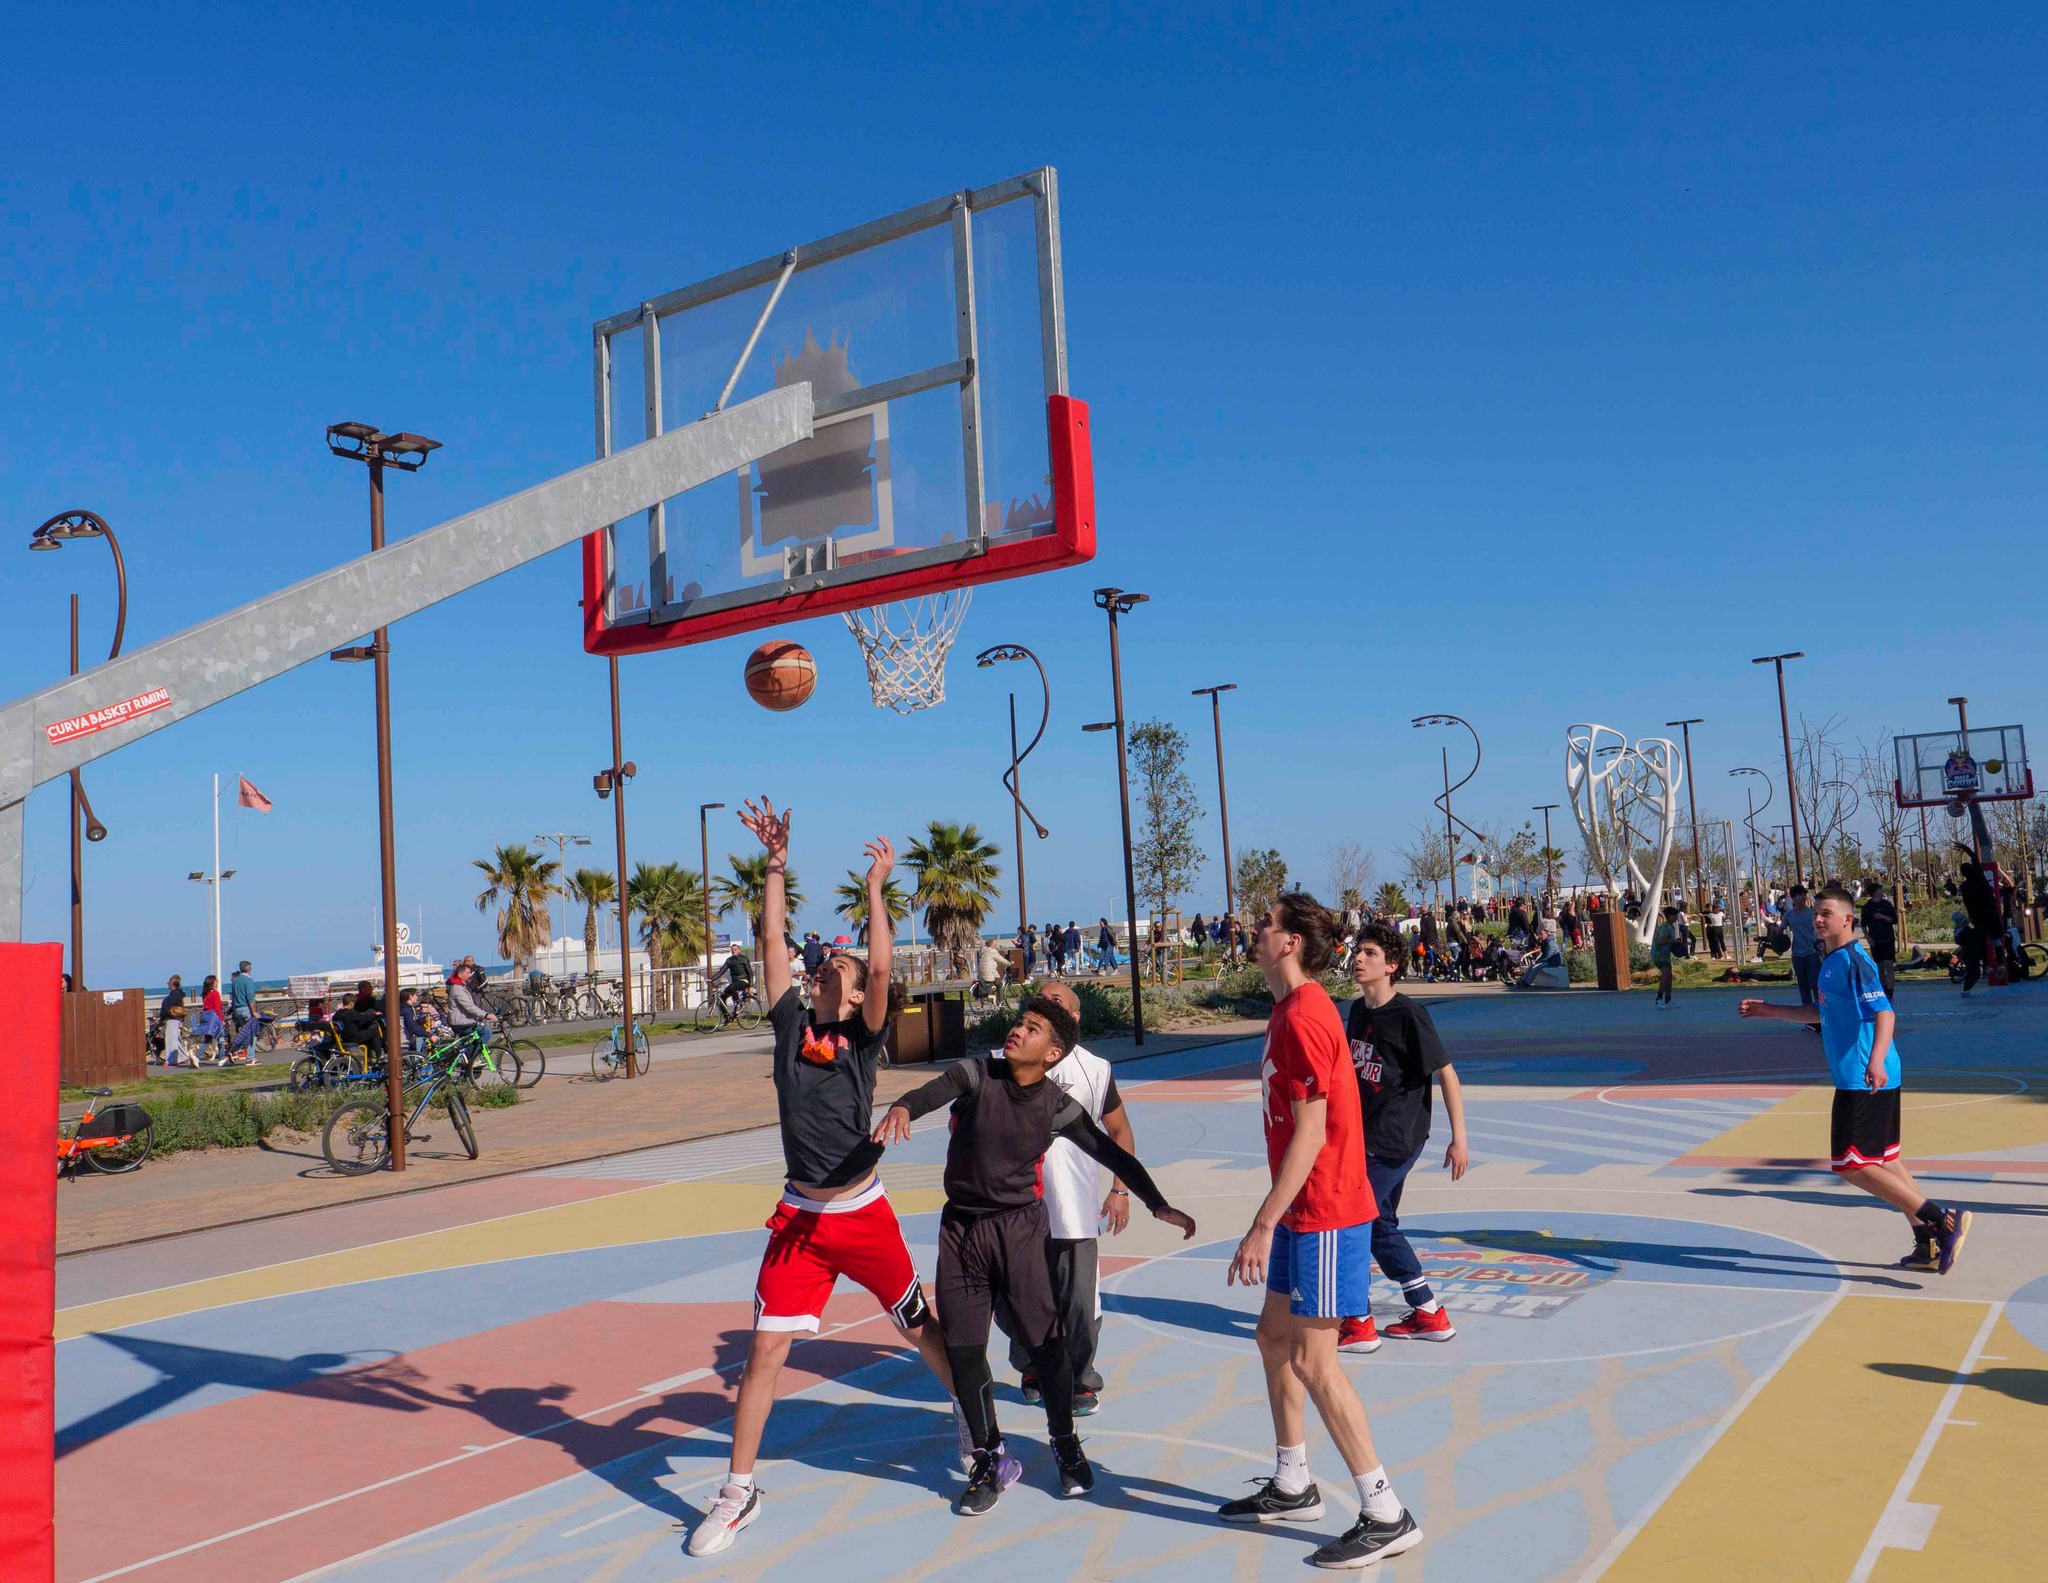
(732, 1511)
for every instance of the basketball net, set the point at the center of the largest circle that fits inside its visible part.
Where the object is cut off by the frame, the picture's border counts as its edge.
(905, 646)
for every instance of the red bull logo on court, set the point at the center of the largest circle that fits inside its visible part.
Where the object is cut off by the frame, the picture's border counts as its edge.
(1513, 1282)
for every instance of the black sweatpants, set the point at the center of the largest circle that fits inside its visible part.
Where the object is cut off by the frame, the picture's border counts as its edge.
(1072, 1263)
(980, 1257)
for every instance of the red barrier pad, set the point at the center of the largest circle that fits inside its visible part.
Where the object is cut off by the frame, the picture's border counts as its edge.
(30, 988)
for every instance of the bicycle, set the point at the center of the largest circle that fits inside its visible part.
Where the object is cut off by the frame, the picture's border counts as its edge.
(481, 1059)
(600, 999)
(357, 1138)
(718, 1011)
(111, 1140)
(608, 1055)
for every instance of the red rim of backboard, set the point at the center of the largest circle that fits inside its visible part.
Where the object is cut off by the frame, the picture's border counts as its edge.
(1071, 542)
(1899, 796)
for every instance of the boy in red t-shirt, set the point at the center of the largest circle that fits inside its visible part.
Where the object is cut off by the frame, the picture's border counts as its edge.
(1311, 1243)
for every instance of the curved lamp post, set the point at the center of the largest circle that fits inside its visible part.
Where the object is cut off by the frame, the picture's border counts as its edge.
(1012, 783)
(1755, 875)
(1444, 802)
(54, 535)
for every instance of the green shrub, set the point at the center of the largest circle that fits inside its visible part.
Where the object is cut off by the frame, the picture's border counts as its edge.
(1579, 965)
(241, 1118)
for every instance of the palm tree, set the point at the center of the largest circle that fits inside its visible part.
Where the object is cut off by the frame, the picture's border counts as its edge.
(595, 888)
(853, 900)
(747, 890)
(523, 880)
(956, 885)
(670, 901)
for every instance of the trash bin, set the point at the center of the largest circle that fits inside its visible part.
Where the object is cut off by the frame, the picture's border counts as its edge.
(1610, 950)
(931, 1025)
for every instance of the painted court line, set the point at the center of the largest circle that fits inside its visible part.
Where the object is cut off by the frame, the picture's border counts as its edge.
(1902, 1525)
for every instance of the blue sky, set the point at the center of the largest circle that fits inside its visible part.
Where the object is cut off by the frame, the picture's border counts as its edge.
(1538, 366)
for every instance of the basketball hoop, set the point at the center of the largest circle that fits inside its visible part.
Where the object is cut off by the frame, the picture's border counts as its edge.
(905, 646)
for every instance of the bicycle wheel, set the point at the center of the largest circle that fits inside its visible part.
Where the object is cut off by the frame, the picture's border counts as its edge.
(357, 1139)
(114, 1158)
(335, 1071)
(459, 1114)
(639, 1052)
(529, 1062)
(704, 1016)
(305, 1075)
(750, 1013)
(266, 1037)
(603, 1060)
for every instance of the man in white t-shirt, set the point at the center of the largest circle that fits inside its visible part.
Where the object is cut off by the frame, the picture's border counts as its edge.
(1076, 1209)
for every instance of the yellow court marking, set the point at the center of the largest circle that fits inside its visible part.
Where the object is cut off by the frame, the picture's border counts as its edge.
(645, 1214)
(1793, 1488)
(1985, 1476)
(1931, 1126)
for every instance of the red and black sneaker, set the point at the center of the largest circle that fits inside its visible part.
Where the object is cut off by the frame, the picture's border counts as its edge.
(1948, 1238)
(1358, 1335)
(1433, 1325)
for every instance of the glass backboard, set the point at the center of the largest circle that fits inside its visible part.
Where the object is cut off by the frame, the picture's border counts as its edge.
(947, 449)
(1935, 766)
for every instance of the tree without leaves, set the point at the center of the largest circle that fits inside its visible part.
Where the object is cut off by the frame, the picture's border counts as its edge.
(1165, 855)
(1874, 775)
(1426, 859)
(523, 880)
(1350, 873)
(956, 886)
(1261, 877)
(594, 887)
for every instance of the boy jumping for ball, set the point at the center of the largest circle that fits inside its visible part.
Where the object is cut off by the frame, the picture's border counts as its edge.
(835, 1218)
(1857, 1034)
(992, 1234)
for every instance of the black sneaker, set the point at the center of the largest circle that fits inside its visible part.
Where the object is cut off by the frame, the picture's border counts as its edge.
(1367, 1541)
(1948, 1238)
(1076, 1476)
(984, 1484)
(1086, 1402)
(1923, 1258)
(1274, 1505)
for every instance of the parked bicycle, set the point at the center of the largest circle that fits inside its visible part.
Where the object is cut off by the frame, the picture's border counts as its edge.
(608, 1056)
(108, 1138)
(599, 998)
(357, 1138)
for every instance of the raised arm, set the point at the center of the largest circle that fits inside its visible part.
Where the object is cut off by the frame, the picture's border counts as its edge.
(773, 833)
(948, 1086)
(874, 1006)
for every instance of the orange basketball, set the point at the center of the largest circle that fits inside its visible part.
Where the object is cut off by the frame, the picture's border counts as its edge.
(781, 674)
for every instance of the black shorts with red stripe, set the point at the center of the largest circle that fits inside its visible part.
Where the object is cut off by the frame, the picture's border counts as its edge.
(1865, 1128)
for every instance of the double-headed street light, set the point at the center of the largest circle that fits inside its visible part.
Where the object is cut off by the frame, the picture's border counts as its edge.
(54, 535)
(1791, 775)
(563, 841)
(1012, 780)
(1215, 697)
(1116, 602)
(408, 453)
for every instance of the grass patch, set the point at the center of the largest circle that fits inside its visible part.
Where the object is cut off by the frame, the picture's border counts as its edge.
(239, 1119)
(553, 1041)
(182, 1080)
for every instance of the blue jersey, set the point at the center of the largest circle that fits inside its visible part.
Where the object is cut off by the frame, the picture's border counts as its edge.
(1851, 996)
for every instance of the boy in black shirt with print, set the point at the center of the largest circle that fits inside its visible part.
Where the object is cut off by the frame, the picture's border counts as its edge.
(992, 1235)
(1396, 1051)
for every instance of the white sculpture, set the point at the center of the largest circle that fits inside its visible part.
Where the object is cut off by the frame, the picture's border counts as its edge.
(1610, 800)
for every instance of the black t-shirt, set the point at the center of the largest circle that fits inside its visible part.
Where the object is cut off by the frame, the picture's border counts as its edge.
(1881, 927)
(825, 1090)
(1395, 1051)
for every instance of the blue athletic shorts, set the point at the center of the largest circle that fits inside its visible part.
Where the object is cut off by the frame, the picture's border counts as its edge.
(1325, 1274)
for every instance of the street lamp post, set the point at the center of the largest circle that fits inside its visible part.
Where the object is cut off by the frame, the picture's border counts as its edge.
(1755, 873)
(1549, 877)
(611, 782)
(217, 878)
(1013, 779)
(1444, 802)
(1115, 602)
(563, 841)
(704, 854)
(1791, 776)
(53, 535)
(1699, 880)
(1215, 696)
(408, 453)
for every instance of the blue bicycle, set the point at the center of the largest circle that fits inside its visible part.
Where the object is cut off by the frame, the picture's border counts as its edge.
(608, 1056)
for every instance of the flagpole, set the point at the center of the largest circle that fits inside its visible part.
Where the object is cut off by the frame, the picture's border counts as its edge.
(216, 879)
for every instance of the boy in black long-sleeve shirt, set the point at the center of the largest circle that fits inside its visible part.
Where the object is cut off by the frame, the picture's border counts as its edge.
(992, 1236)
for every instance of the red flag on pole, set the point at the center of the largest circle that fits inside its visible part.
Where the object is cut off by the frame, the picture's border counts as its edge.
(249, 797)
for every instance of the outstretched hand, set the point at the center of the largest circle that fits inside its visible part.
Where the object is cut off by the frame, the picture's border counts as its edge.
(1176, 1217)
(771, 831)
(881, 861)
(895, 1127)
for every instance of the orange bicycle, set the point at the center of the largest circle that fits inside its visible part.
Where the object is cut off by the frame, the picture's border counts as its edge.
(109, 1138)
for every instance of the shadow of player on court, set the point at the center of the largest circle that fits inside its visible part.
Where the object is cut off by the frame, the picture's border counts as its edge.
(1185, 1314)
(2022, 1385)
(1606, 1255)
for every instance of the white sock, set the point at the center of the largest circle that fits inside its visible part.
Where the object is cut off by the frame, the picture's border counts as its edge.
(1429, 1307)
(1377, 1496)
(1290, 1469)
(740, 1481)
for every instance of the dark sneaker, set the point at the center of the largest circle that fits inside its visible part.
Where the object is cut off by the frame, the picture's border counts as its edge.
(1923, 1258)
(1274, 1505)
(984, 1485)
(1948, 1238)
(1367, 1541)
(1076, 1476)
(1086, 1403)
(1032, 1395)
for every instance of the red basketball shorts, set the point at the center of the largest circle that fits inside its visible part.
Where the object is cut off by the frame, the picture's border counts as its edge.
(811, 1245)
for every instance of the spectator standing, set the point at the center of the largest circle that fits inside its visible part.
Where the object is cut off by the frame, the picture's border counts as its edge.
(212, 1018)
(1056, 949)
(1717, 930)
(172, 1012)
(1880, 922)
(241, 997)
(1805, 948)
(1072, 939)
(1662, 945)
(814, 953)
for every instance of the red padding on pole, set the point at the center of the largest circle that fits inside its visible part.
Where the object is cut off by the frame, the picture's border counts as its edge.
(30, 987)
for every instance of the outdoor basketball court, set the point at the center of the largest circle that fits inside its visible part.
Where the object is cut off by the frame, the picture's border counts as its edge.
(1680, 1354)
